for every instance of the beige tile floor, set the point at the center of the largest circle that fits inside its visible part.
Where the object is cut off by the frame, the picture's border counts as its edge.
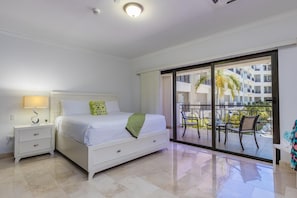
(179, 171)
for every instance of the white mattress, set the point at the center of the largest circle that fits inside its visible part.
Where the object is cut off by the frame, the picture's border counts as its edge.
(93, 130)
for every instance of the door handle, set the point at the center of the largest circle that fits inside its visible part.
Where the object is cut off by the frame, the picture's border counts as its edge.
(273, 100)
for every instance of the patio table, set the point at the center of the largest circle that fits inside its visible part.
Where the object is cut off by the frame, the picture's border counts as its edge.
(219, 127)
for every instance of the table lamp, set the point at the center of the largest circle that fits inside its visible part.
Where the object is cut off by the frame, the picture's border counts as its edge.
(35, 102)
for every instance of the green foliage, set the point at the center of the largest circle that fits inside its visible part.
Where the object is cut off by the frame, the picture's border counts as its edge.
(264, 109)
(223, 82)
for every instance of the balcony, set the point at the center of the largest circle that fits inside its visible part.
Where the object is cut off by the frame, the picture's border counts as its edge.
(232, 145)
(227, 113)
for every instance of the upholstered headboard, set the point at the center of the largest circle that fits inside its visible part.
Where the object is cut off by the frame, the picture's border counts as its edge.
(57, 96)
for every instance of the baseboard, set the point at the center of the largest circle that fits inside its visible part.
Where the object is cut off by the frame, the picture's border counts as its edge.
(6, 155)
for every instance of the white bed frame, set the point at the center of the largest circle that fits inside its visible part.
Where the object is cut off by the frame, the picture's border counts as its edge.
(103, 156)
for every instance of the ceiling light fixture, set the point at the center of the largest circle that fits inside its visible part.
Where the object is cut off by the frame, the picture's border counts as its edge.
(133, 9)
(223, 1)
(96, 10)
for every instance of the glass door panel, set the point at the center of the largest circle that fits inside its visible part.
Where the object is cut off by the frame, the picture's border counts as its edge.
(244, 88)
(193, 106)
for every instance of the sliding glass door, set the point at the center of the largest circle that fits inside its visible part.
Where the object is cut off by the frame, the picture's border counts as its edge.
(193, 106)
(209, 101)
(243, 88)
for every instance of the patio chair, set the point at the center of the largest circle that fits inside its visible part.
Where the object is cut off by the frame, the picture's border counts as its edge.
(247, 125)
(190, 120)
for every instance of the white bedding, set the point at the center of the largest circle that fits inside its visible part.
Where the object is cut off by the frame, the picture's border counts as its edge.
(93, 130)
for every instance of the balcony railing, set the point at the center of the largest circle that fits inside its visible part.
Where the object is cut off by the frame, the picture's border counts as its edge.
(228, 112)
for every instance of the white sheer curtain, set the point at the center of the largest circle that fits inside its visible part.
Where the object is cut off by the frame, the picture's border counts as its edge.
(150, 92)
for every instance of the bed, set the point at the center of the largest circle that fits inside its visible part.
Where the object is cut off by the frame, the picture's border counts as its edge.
(96, 153)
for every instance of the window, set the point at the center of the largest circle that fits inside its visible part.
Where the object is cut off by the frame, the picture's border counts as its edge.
(257, 78)
(267, 78)
(267, 89)
(267, 67)
(184, 78)
(257, 68)
(257, 89)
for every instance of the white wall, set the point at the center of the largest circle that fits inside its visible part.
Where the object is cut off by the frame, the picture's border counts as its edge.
(287, 90)
(260, 36)
(29, 67)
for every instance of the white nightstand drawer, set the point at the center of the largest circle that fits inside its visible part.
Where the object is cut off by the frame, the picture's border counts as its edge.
(35, 145)
(34, 134)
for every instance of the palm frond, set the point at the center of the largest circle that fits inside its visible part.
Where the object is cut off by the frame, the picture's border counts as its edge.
(222, 83)
(236, 82)
(200, 81)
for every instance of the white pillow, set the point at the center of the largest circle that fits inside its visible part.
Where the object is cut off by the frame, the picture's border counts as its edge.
(74, 107)
(112, 106)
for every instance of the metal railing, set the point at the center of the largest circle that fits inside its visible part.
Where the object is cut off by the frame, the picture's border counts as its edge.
(228, 113)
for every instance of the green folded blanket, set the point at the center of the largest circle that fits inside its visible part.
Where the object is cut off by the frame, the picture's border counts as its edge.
(135, 123)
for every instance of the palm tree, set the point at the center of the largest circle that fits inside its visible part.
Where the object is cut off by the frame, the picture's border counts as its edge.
(222, 82)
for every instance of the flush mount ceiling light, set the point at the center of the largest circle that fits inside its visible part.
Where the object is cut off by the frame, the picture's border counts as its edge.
(223, 1)
(96, 10)
(133, 9)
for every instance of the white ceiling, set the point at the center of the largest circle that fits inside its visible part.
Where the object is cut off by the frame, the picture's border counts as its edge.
(163, 24)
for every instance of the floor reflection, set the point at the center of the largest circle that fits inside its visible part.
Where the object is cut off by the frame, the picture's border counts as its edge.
(213, 174)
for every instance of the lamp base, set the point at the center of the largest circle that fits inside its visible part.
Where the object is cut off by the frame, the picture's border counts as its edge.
(35, 120)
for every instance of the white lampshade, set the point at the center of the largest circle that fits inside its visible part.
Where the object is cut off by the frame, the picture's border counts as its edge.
(35, 102)
(133, 9)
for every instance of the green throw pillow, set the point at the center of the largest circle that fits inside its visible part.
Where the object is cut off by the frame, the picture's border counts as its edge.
(98, 107)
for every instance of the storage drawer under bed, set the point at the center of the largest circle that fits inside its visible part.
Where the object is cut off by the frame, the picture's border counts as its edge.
(126, 148)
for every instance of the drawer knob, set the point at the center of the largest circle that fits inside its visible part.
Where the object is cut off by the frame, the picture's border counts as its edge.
(118, 151)
(35, 145)
(154, 141)
(35, 134)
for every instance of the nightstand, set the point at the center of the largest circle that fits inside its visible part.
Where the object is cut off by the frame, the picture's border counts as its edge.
(30, 140)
